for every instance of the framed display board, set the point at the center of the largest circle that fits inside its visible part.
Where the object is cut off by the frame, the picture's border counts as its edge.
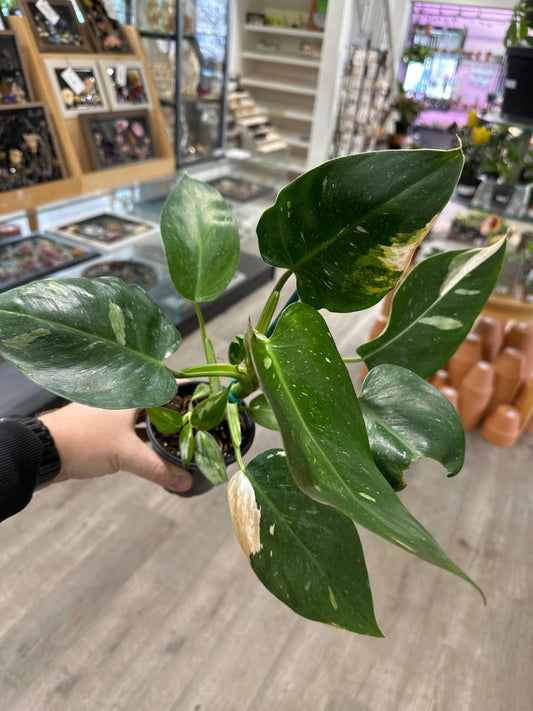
(29, 152)
(29, 257)
(105, 230)
(117, 139)
(14, 84)
(126, 84)
(55, 25)
(106, 30)
(77, 85)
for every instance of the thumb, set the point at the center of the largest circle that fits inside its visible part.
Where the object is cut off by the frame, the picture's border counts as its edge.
(139, 458)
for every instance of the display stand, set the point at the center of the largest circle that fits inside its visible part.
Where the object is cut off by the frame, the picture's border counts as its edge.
(81, 177)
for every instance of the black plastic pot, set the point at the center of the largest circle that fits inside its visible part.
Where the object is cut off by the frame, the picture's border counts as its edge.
(518, 93)
(200, 483)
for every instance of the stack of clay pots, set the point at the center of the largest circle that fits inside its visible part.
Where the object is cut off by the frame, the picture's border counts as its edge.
(489, 379)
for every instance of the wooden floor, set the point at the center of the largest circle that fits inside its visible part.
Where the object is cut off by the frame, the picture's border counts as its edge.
(115, 595)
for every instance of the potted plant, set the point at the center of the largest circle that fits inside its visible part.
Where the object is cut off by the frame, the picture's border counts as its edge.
(344, 232)
(407, 110)
(517, 102)
(483, 148)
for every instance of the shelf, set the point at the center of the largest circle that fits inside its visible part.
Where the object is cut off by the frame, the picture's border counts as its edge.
(279, 111)
(294, 139)
(275, 85)
(289, 31)
(276, 58)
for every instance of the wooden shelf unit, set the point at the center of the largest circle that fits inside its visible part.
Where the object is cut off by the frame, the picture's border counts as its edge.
(81, 177)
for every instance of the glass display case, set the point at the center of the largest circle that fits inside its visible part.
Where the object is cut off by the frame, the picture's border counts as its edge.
(186, 48)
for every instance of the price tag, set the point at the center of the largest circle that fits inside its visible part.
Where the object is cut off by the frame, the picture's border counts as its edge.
(72, 79)
(121, 77)
(110, 10)
(48, 11)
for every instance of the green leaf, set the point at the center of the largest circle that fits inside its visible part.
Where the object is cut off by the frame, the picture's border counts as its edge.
(407, 418)
(100, 342)
(209, 459)
(312, 395)
(165, 420)
(435, 308)
(261, 412)
(308, 555)
(186, 444)
(236, 351)
(348, 228)
(234, 423)
(201, 240)
(209, 412)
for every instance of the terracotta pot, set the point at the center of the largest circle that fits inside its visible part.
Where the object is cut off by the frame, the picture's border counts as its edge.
(451, 394)
(377, 327)
(491, 332)
(200, 483)
(507, 377)
(440, 378)
(468, 353)
(520, 336)
(524, 403)
(475, 393)
(502, 427)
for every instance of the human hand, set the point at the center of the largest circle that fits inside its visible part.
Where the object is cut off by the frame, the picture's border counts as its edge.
(92, 442)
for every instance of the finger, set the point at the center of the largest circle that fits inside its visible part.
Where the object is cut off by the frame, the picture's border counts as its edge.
(141, 460)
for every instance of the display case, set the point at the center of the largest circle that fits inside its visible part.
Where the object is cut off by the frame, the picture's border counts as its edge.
(186, 47)
(115, 232)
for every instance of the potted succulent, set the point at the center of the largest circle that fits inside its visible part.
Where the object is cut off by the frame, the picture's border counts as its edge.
(344, 232)
(517, 102)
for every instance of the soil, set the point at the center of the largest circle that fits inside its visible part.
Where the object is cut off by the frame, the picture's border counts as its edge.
(171, 442)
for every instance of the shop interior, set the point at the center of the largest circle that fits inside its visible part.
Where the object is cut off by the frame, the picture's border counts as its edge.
(114, 593)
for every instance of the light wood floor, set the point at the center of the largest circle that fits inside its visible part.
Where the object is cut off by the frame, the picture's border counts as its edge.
(115, 595)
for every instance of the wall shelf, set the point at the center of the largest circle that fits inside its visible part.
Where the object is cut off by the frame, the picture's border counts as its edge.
(297, 60)
(295, 32)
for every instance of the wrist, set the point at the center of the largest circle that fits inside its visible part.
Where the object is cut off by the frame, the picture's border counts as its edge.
(50, 462)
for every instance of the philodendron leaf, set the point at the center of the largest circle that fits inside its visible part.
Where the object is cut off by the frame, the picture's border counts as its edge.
(348, 228)
(209, 412)
(308, 555)
(261, 412)
(201, 240)
(208, 457)
(186, 444)
(165, 420)
(100, 342)
(435, 308)
(407, 418)
(311, 393)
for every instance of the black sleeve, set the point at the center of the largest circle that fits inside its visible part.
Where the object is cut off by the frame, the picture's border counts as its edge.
(20, 461)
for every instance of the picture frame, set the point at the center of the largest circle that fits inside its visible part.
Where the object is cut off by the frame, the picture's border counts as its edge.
(104, 230)
(29, 150)
(126, 84)
(78, 85)
(60, 31)
(14, 85)
(106, 30)
(118, 138)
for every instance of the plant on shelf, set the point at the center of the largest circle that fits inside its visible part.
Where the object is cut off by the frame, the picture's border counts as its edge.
(483, 147)
(407, 108)
(520, 29)
(345, 233)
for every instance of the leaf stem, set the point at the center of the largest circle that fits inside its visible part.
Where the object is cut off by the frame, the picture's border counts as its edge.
(270, 306)
(352, 359)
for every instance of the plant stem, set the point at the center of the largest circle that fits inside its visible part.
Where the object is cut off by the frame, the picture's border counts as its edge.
(268, 310)
(210, 356)
(201, 323)
(352, 359)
